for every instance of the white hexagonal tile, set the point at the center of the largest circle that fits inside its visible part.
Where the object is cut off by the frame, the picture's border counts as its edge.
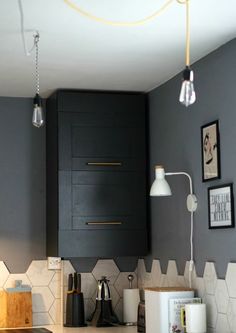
(65, 288)
(4, 273)
(89, 307)
(230, 279)
(42, 299)
(144, 278)
(55, 285)
(181, 281)
(88, 284)
(67, 269)
(156, 273)
(148, 280)
(164, 281)
(106, 268)
(55, 311)
(186, 274)
(10, 283)
(231, 314)
(39, 274)
(199, 286)
(172, 273)
(43, 318)
(210, 278)
(122, 282)
(114, 296)
(119, 310)
(222, 324)
(221, 296)
(211, 310)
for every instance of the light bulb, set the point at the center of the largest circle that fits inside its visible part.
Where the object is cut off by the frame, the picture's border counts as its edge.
(187, 93)
(38, 117)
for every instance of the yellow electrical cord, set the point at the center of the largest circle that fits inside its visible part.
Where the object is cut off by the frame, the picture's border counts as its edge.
(141, 21)
(122, 24)
(187, 51)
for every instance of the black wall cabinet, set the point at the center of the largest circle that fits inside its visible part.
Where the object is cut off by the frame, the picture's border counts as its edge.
(96, 174)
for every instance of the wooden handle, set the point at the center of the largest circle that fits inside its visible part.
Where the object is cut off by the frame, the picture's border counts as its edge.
(104, 223)
(104, 163)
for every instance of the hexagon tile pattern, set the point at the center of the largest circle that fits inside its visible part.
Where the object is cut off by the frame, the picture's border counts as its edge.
(106, 268)
(39, 274)
(219, 295)
(210, 278)
(230, 279)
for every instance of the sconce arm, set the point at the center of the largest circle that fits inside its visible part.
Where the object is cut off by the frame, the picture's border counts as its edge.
(191, 198)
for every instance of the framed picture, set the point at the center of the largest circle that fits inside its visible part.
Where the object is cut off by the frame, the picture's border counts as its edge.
(210, 151)
(221, 206)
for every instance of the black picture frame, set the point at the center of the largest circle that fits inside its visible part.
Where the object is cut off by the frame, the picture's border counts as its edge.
(221, 206)
(210, 145)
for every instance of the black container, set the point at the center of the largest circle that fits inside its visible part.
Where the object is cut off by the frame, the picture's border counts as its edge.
(75, 310)
(103, 315)
(141, 317)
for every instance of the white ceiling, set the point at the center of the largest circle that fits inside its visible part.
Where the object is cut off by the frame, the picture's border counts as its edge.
(76, 52)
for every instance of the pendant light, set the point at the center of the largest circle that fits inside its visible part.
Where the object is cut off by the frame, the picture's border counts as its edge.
(187, 93)
(38, 116)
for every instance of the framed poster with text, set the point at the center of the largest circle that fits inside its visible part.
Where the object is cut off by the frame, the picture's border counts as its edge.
(221, 206)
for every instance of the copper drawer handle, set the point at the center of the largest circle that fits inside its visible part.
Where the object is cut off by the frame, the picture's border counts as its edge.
(104, 163)
(104, 223)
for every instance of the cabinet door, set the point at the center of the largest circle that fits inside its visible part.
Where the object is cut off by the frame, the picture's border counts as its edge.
(101, 200)
(89, 142)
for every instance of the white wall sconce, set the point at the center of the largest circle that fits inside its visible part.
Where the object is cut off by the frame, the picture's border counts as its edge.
(160, 187)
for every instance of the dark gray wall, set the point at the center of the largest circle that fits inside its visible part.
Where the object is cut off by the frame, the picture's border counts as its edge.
(23, 191)
(175, 142)
(22, 185)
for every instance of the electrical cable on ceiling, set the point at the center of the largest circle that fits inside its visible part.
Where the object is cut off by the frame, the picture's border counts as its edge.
(120, 23)
(27, 51)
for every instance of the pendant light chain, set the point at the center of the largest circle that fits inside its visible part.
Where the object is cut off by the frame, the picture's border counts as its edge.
(36, 40)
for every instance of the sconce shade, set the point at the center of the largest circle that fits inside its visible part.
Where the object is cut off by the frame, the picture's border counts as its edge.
(160, 186)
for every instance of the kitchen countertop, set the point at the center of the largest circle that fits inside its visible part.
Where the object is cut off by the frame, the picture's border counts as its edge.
(91, 329)
(87, 329)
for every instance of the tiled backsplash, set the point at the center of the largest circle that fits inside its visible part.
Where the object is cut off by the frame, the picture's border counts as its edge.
(218, 294)
(46, 287)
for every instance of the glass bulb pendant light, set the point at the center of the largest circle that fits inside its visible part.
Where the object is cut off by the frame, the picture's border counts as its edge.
(38, 116)
(187, 93)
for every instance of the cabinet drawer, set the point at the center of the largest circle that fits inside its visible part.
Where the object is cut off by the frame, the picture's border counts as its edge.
(106, 140)
(113, 222)
(101, 199)
(101, 196)
(107, 164)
